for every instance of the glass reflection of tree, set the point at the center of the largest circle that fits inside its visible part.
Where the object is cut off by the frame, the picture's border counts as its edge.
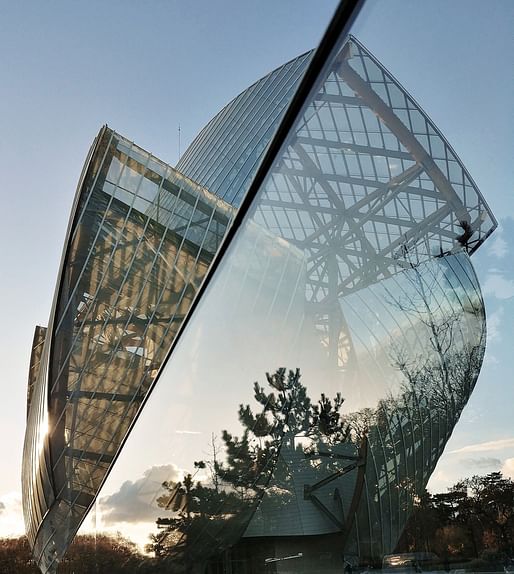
(288, 441)
(446, 369)
(209, 517)
(438, 356)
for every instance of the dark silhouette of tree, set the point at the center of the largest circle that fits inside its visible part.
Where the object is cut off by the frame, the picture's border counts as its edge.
(491, 509)
(15, 556)
(88, 554)
(200, 514)
(101, 554)
(473, 519)
(207, 519)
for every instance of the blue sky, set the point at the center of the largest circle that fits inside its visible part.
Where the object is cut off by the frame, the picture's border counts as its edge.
(146, 67)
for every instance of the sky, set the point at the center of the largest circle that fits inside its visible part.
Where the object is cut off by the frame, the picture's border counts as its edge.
(145, 68)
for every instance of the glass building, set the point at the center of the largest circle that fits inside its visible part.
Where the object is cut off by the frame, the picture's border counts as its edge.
(317, 232)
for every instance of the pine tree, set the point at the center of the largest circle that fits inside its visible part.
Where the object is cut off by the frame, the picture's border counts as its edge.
(209, 518)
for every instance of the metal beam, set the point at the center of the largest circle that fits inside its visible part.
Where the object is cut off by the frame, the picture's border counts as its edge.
(94, 395)
(396, 126)
(87, 455)
(356, 148)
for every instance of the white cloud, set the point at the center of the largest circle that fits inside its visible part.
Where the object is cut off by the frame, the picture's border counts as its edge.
(484, 462)
(494, 322)
(498, 246)
(499, 444)
(187, 432)
(451, 469)
(499, 287)
(442, 479)
(135, 500)
(11, 516)
(508, 468)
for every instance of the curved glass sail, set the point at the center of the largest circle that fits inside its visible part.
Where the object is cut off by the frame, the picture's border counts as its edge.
(140, 242)
(329, 368)
(333, 388)
(225, 155)
(328, 359)
(292, 455)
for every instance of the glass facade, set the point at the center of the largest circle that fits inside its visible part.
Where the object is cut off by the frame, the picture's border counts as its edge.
(347, 293)
(226, 153)
(140, 242)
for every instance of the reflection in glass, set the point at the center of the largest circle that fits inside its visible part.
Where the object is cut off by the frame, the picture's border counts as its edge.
(349, 283)
(309, 472)
(385, 334)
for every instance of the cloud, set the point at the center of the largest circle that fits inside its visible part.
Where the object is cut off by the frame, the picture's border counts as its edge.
(442, 479)
(499, 444)
(187, 432)
(498, 247)
(497, 286)
(483, 462)
(135, 500)
(12, 516)
(494, 322)
(508, 468)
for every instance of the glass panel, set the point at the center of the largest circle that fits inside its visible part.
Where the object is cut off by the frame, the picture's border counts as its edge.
(128, 282)
(303, 423)
(313, 392)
